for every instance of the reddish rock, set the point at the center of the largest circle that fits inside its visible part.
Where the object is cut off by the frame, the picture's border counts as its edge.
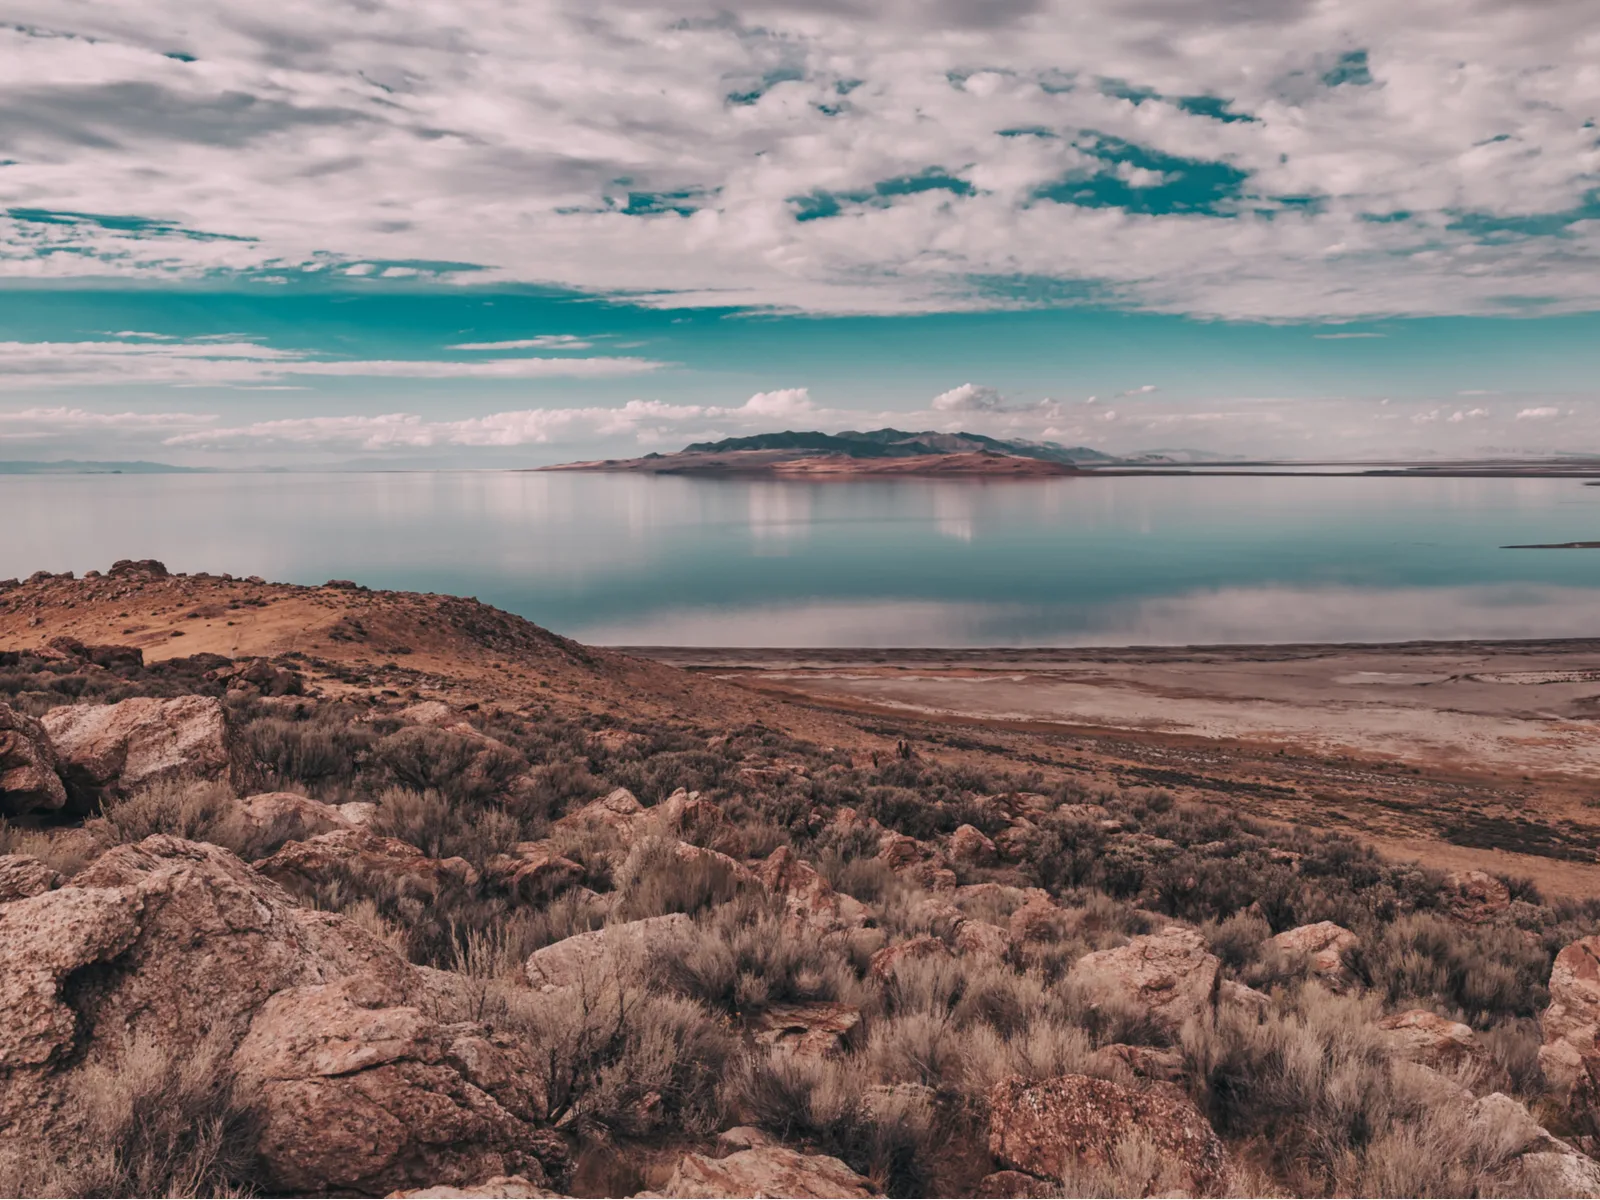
(898, 851)
(766, 1171)
(1424, 1037)
(29, 782)
(1015, 1185)
(1039, 919)
(616, 811)
(22, 876)
(1015, 842)
(1048, 1127)
(114, 748)
(886, 961)
(810, 901)
(585, 959)
(291, 816)
(533, 874)
(688, 816)
(810, 1029)
(501, 1187)
(361, 1092)
(981, 939)
(1170, 973)
(344, 853)
(1477, 895)
(1147, 1062)
(970, 845)
(1572, 1020)
(1323, 945)
(1233, 994)
(428, 712)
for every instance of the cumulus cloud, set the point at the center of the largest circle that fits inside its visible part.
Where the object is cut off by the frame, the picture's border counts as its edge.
(1328, 160)
(549, 341)
(969, 397)
(780, 405)
(1539, 413)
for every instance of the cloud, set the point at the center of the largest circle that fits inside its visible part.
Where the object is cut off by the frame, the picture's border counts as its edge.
(1543, 412)
(551, 341)
(969, 397)
(1335, 337)
(30, 424)
(212, 363)
(780, 405)
(1327, 161)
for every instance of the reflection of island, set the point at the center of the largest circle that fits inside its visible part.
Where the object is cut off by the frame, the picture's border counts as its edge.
(1555, 546)
(880, 452)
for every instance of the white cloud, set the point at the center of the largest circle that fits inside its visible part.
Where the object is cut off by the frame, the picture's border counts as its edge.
(783, 404)
(395, 140)
(1540, 413)
(1337, 337)
(32, 424)
(969, 397)
(212, 363)
(550, 341)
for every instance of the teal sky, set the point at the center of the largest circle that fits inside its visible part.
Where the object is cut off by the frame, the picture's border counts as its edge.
(515, 234)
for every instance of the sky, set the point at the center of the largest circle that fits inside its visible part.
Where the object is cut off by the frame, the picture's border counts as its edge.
(502, 234)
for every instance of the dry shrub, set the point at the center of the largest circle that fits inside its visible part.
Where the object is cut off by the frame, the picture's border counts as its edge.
(744, 956)
(65, 855)
(441, 828)
(1486, 972)
(1137, 1167)
(326, 752)
(465, 768)
(198, 810)
(655, 880)
(614, 1054)
(157, 1124)
(1238, 940)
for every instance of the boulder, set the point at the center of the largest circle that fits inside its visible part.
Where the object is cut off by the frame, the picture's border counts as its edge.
(585, 959)
(428, 712)
(1015, 1185)
(501, 1187)
(1424, 1037)
(110, 749)
(616, 811)
(181, 946)
(688, 816)
(1541, 1163)
(533, 873)
(361, 1092)
(886, 961)
(355, 853)
(1323, 946)
(1235, 995)
(810, 1029)
(291, 816)
(1147, 1062)
(970, 845)
(1559, 1173)
(1048, 1127)
(29, 782)
(22, 876)
(981, 939)
(899, 852)
(766, 1171)
(740, 1137)
(1572, 1020)
(1170, 973)
(811, 903)
(1476, 896)
(1038, 919)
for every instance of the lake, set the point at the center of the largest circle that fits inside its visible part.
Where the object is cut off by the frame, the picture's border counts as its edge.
(627, 559)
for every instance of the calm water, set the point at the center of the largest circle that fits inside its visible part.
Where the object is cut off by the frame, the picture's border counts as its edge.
(627, 559)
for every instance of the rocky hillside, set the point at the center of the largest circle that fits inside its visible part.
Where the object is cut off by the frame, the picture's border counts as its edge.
(446, 902)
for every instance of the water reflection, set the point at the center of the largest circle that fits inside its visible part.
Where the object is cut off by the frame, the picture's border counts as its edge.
(634, 559)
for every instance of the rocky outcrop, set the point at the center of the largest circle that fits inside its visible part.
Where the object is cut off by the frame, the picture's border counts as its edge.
(501, 1187)
(887, 961)
(1170, 973)
(1046, 1128)
(1572, 1021)
(1430, 1040)
(22, 876)
(981, 939)
(1476, 896)
(810, 902)
(1536, 1160)
(1323, 946)
(533, 873)
(181, 945)
(811, 1029)
(110, 749)
(288, 815)
(344, 854)
(1037, 919)
(766, 1171)
(29, 782)
(585, 960)
(361, 1092)
(971, 846)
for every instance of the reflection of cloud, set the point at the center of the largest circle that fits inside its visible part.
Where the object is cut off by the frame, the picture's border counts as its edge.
(779, 511)
(953, 512)
(1225, 616)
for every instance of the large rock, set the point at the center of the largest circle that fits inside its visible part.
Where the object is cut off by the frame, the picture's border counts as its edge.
(291, 816)
(29, 782)
(1048, 1127)
(585, 960)
(1170, 973)
(358, 1090)
(1430, 1040)
(970, 845)
(1572, 1020)
(532, 872)
(1476, 896)
(350, 853)
(810, 1029)
(501, 1187)
(811, 903)
(887, 961)
(113, 748)
(22, 876)
(766, 1171)
(180, 946)
(1323, 945)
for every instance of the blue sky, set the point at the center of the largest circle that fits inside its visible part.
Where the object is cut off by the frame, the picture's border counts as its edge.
(494, 234)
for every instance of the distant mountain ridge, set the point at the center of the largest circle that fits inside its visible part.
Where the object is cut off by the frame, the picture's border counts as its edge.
(72, 466)
(898, 443)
